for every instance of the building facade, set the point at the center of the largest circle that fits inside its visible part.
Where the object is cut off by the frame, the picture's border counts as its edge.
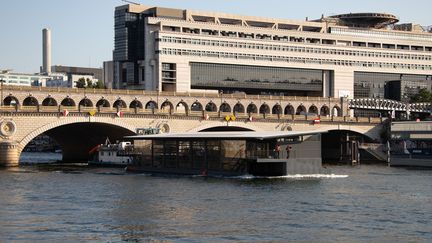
(23, 79)
(67, 76)
(352, 55)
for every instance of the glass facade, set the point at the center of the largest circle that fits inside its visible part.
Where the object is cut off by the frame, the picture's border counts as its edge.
(373, 85)
(387, 86)
(257, 79)
(129, 43)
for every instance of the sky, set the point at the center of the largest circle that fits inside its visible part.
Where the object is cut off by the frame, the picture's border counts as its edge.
(83, 30)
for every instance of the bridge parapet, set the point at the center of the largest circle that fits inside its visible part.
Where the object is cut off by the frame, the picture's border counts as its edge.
(204, 115)
(42, 97)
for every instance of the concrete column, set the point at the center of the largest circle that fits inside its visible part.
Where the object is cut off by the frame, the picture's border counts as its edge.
(9, 153)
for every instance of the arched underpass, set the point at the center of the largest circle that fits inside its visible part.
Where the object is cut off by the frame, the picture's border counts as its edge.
(341, 146)
(77, 139)
(226, 129)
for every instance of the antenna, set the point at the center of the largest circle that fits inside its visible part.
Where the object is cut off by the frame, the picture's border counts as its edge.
(127, 1)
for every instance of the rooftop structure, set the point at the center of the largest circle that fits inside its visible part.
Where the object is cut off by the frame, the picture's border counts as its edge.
(365, 20)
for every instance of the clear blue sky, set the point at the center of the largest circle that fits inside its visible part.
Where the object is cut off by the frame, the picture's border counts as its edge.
(82, 30)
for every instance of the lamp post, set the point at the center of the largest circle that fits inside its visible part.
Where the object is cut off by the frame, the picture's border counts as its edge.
(157, 99)
(220, 107)
(1, 94)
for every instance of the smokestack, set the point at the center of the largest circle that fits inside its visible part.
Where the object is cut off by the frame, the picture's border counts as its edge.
(46, 51)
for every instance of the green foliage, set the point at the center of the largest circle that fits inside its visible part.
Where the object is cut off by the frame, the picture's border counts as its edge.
(99, 85)
(81, 83)
(88, 83)
(423, 95)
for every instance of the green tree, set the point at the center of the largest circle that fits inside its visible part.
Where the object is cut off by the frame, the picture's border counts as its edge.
(81, 83)
(89, 83)
(423, 95)
(99, 85)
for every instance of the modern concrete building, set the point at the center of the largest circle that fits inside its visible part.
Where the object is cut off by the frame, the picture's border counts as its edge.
(108, 75)
(352, 55)
(68, 76)
(23, 79)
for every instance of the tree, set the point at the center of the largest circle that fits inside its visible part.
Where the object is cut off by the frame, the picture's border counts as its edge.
(423, 95)
(89, 83)
(81, 83)
(99, 85)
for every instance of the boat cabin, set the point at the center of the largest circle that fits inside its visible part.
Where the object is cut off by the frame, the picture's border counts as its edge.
(229, 153)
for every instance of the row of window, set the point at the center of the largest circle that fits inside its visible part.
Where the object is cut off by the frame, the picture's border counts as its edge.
(319, 41)
(233, 44)
(380, 34)
(272, 58)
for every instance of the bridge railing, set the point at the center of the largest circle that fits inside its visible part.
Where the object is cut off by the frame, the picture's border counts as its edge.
(84, 91)
(172, 112)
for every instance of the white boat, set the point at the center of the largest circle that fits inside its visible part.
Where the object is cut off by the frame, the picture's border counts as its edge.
(117, 154)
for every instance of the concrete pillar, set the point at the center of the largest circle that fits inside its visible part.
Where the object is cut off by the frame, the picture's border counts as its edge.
(9, 153)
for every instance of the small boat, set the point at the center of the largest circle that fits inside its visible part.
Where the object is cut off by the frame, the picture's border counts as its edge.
(108, 154)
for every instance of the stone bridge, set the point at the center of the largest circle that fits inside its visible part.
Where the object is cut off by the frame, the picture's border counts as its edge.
(80, 119)
(22, 97)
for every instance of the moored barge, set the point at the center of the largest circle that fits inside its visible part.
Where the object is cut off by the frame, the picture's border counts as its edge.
(229, 153)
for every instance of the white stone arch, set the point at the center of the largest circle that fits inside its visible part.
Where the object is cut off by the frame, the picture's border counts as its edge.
(373, 135)
(68, 121)
(232, 124)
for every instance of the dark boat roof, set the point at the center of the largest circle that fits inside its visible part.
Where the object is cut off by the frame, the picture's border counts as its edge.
(227, 135)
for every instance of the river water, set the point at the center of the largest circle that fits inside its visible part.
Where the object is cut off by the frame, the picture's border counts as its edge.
(80, 204)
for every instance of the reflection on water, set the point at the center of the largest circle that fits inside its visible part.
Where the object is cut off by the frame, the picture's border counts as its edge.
(39, 158)
(366, 203)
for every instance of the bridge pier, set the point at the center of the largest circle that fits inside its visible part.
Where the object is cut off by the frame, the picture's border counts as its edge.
(9, 153)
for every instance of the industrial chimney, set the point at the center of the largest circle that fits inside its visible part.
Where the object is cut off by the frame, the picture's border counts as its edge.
(46, 51)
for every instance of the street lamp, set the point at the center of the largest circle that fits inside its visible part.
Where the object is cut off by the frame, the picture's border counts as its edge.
(1, 94)
(220, 107)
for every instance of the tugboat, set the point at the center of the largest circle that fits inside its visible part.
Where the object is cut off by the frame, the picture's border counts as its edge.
(108, 154)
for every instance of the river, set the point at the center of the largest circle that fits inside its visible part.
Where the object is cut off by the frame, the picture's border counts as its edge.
(75, 203)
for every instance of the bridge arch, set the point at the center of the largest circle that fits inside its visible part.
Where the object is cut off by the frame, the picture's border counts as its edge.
(337, 111)
(103, 103)
(289, 110)
(313, 109)
(75, 145)
(136, 104)
(211, 107)
(119, 103)
(325, 110)
(225, 107)
(86, 102)
(240, 126)
(264, 109)
(49, 101)
(239, 108)
(182, 107)
(150, 105)
(30, 101)
(334, 143)
(167, 106)
(68, 102)
(252, 108)
(277, 109)
(196, 106)
(301, 109)
(10, 100)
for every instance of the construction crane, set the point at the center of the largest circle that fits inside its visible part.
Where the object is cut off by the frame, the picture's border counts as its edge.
(126, 1)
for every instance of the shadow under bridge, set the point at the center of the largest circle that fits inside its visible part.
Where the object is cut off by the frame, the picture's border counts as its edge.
(76, 140)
